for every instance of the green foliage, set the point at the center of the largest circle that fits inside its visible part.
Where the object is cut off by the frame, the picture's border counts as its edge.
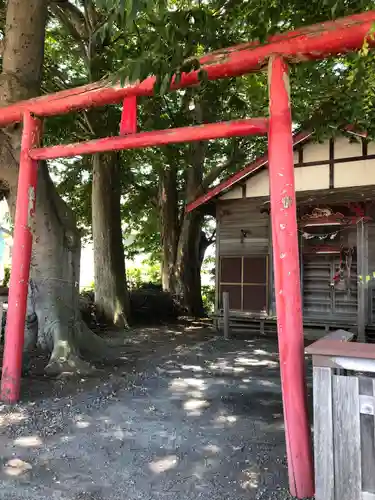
(208, 296)
(89, 288)
(208, 290)
(134, 277)
(208, 267)
(6, 276)
(154, 273)
(132, 39)
(147, 273)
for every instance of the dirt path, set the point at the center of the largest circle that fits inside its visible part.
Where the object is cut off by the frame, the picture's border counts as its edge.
(189, 417)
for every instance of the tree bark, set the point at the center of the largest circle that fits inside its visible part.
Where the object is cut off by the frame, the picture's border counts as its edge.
(111, 295)
(181, 232)
(183, 248)
(189, 251)
(53, 319)
(111, 292)
(189, 246)
(169, 230)
(190, 264)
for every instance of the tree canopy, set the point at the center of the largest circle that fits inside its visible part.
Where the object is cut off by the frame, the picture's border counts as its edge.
(132, 39)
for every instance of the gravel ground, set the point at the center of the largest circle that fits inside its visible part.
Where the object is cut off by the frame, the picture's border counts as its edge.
(185, 417)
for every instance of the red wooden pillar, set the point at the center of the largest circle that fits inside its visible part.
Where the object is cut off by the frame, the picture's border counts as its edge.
(19, 279)
(287, 282)
(128, 124)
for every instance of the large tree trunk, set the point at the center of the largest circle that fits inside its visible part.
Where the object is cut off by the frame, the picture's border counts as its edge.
(111, 292)
(168, 210)
(189, 247)
(111, 295)
(53, 318)
(190, 264)
(189, 252)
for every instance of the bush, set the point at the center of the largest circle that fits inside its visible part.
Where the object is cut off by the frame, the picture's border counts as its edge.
(152, 305)
(148, 304)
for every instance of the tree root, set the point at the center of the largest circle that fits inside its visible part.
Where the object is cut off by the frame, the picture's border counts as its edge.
(73, 365)
(74, 351)
(95, 348)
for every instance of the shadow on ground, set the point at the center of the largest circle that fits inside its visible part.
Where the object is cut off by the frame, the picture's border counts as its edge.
(189, 416)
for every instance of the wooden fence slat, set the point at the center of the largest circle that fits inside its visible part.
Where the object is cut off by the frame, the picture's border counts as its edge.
(367, 409)
(368, 453)
(323, 434)
(347, 438)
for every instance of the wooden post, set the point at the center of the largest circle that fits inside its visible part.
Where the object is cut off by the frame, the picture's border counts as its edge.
(287, 282)
(19, 278)
(323, 434)
(226, 314)
(128, 124)
(343, 417)
(217, 276)
(362, 271)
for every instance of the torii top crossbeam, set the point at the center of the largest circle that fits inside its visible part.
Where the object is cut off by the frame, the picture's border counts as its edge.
(312, 43)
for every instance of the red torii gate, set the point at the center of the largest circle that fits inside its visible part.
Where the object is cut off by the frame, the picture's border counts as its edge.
(311, 43)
